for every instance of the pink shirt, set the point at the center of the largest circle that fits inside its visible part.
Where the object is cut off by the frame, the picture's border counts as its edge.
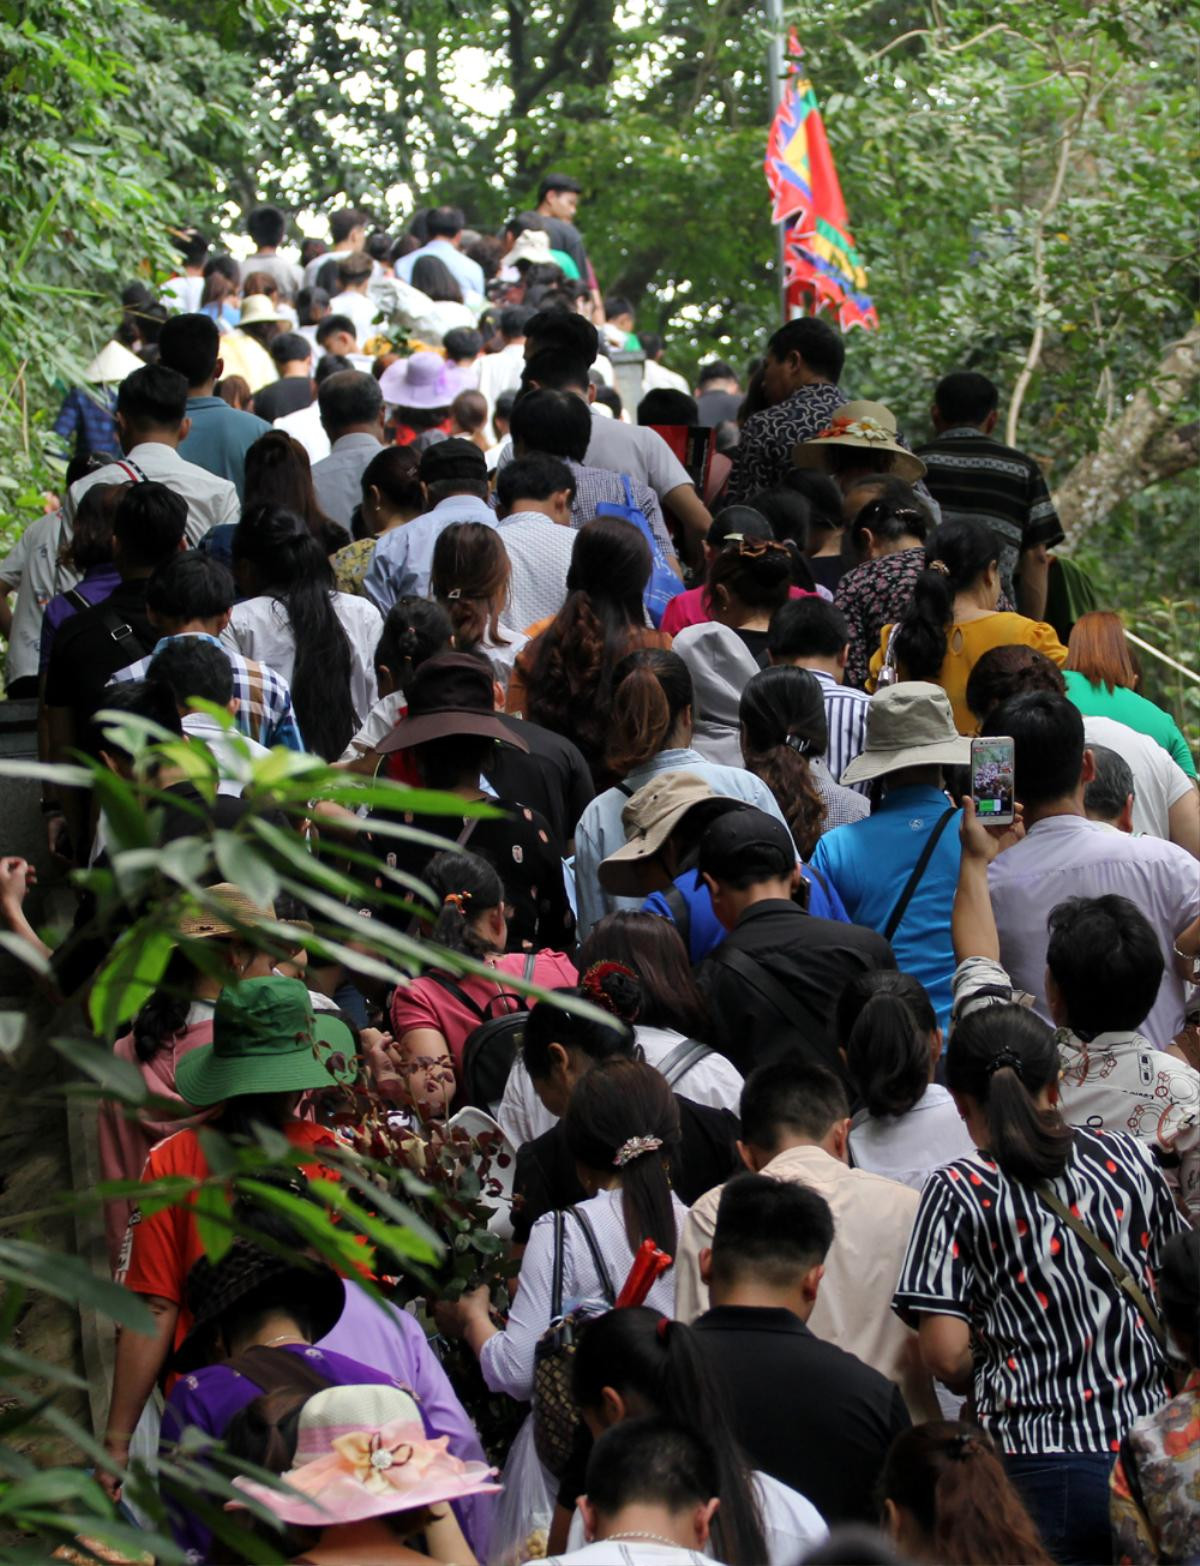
(427, 1004)
(691, 608)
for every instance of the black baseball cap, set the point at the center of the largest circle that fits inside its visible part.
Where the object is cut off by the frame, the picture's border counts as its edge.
(452, 459)
(558, 182)
(746, 843)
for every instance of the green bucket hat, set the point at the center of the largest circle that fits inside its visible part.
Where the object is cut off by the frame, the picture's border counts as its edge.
(266, 1039)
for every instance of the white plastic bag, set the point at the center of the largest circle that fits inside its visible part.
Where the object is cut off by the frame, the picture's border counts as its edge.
(521, 1527)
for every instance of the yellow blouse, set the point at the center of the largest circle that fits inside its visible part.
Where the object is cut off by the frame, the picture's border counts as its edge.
(966, 644)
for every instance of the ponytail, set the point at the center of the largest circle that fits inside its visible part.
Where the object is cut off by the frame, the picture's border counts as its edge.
(948, 1477)
(783, 723)
(1003, 1057)
(415, 629)
(467, 887)
(955, 557)
(292, 568)
(650, 691)
(885, 1023)
(641, 1354)
(469, 578)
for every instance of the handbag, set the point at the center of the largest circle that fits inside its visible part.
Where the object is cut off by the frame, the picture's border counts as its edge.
(556, 1414)
(888, 674)
(1124, 1279)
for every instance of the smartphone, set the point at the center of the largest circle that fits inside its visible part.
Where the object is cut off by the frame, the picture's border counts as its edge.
(992, 779)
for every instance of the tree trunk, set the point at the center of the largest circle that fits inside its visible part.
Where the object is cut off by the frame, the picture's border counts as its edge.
(1143, 445)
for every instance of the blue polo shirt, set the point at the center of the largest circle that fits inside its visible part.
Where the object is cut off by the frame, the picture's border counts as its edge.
(220, 437)
(706, 932)
(869, 863)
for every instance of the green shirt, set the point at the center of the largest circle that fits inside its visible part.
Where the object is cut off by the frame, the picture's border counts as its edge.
(1134, 711)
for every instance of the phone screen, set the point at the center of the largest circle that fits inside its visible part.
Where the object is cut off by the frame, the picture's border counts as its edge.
(992, 779)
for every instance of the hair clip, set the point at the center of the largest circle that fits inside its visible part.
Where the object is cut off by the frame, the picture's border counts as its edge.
(592, 982)
(457, 900)
(798, 743)
(1005, 1060)
(635, 1147)
(939, 566)
(454, 594)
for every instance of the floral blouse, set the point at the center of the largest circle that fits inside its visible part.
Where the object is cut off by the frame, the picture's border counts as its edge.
(871, 596)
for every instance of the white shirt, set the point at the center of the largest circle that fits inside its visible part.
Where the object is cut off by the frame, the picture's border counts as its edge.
(305, 426)
(628, 1552)
(507, 1358)
(500, 372)
(909, 1147)
(235, 753)
(361, 310)
(1158, 779)
(792, 1525)
(1070, 856)
(32, 567)
(184, 292)
(377, 725)
(317, 262)
(637, 450)
(210, 500)
(260, 629)
(502, 655)
(540, 552)
(656, 377)
(713, 1080)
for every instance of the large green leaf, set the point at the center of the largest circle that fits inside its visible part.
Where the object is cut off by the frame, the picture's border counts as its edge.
(130, 977)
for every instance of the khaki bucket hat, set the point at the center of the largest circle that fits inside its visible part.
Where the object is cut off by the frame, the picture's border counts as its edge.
(908, 725)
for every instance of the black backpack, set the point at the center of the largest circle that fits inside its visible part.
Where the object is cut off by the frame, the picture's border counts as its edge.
(489, 1049)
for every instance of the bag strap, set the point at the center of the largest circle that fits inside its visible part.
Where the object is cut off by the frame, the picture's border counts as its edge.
(624, 789)
(628, 487)
(589, 1235)
(681, 913)
(686, 1054)
(452, 987)
(556, 1276)
(527, 970)
(126, 638)
(914, 880)
(76, 599)
(1124, 1279)
(753, 972)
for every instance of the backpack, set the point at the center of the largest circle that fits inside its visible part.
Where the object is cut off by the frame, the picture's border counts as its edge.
(489, 1049)
(663, 584)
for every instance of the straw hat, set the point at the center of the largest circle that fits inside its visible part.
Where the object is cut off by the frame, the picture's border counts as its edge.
(869, 426)
(198, 921)
(362, 1452)
(257, 308)
(908, 725)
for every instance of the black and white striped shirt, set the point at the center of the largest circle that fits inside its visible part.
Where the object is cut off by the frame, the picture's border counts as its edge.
(846, 714)
(1064, 1363)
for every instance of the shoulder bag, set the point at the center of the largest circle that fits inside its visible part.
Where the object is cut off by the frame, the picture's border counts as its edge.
(1121, 1274)
(914, 880)
(555, 1411)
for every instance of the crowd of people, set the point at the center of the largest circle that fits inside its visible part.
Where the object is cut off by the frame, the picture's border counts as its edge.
(856, 1215)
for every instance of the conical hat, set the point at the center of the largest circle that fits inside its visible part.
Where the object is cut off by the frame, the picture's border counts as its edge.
(112, 364)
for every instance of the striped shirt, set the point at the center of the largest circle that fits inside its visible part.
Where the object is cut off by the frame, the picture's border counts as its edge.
(846, 714)
(264, 698)
(1063, 1362)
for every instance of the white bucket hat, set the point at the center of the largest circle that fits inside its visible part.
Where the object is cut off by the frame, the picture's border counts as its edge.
(908, 725)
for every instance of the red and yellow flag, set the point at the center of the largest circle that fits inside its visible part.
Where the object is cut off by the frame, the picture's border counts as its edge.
(823, 268)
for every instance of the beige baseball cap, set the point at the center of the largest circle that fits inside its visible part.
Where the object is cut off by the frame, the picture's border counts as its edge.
(649, 818)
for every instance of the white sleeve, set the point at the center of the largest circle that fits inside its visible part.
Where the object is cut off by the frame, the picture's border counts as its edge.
(12, 567)
(1176, 782)
(506, 1359)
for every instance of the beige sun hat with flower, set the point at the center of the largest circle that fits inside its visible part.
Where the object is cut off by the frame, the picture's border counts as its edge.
(869, 426)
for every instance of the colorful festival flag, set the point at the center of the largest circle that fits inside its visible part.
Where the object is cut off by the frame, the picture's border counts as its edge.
(823, 270)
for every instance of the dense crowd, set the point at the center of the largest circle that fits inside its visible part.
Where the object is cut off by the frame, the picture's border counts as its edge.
(854, 1217)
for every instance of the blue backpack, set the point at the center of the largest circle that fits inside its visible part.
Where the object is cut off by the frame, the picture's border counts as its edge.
(663, 584)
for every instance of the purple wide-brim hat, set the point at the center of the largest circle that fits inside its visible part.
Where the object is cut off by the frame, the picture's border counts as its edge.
(424, 380)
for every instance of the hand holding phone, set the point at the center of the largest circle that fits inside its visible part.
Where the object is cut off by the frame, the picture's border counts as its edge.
(993, 778)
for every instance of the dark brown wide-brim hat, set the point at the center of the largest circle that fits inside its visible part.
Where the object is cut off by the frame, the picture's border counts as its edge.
(448, 695)
(247, 1270)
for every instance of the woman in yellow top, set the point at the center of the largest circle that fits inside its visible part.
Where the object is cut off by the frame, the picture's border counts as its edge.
(952, 618)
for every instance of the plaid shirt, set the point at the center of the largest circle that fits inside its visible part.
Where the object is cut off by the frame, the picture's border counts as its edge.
(86, 423)
(264, 697)
(601, 486)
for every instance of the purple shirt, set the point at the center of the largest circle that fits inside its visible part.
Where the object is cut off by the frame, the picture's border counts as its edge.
(390, 1349)
(96, 586)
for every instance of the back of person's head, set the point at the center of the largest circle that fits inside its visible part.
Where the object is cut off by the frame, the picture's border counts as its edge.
(469, 410)
(469, 578)
(615, 991)
(1004, 672)
(92, 535)
(651, 1462)
(335, 326)
(311, 304)
(445, 222)
(535, 477)
(414, 629)
(818, 345)
(290, 348)
(886, 517)
(790, 1100)
(737, 522)
(153, 398)
(1003, 1057)
(393, 471)
(822, 494)
(554, 423)
(513, 321)
(1048, 741)
(279, 473)
(652, 689)
(807, 628)
(148, 526)
(463, 344)
(956, 557)
(657, 1367)
(354, 269)
(965, 397)
(344, 221)
(790, 516)
(653, 949)
(433, 277)
(503, 407)
(288, 564)
(666, 406)
(194, 667)
(562, 329)
(190, 345)
(221, 280)
(347, 400)
(887, 1027)
(192, 246)
(1106, 962)
(617, 305)
(266, 227)
(464, 886)
(756, 572)
(454, 466)
(555, 369)
(190, 586)
(783, 724)
(622, 1116)
(715, 370)
(1111, 790)
(149, 699)
(1098, 650)
(774, 1231)
(330, 364)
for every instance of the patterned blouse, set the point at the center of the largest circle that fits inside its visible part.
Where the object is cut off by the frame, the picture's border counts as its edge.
(871, 596)
(1063, 1363)
(1155, 1486)
(763, 454)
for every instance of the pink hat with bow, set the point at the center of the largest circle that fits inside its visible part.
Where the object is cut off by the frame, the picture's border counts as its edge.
(423, 380)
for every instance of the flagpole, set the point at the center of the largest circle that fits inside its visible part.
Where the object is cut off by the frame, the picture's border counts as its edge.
(775, 70)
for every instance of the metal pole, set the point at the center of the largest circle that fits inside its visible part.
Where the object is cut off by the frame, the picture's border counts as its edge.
(775, 75)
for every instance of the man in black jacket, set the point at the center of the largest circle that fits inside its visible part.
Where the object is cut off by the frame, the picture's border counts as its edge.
(773, 983)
